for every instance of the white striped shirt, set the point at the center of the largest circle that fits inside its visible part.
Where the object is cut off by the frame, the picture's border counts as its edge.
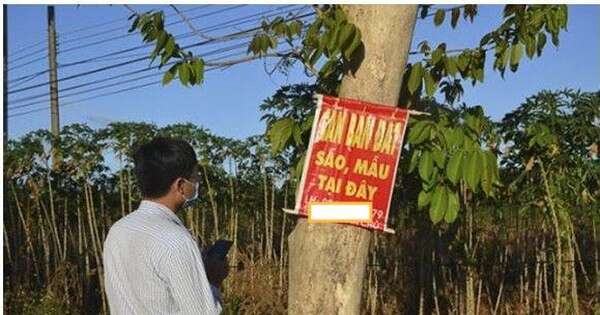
(152, 265)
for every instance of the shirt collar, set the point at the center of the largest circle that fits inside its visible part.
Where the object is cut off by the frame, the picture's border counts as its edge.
(161, 209)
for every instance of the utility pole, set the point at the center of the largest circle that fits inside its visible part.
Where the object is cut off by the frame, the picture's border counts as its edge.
(54, 114)
(328, 261)
(5, 76)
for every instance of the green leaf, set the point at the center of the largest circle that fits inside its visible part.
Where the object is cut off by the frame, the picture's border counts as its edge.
(530, 46)
(345, 40)
(463, 61)
(356, 41)
(339, 15)
(170, 46)
(455, 16)
(253, 47)
(453, 137)
(298, 135)
(279, 133)
(424, 11)
(429, 185)
(454, 166)
(296, 27)
(541, 42)
(453, 207)
(439, 203)
(299, 166)
(439, 157)
(134, 25)
(478, 74)
(308, 122)
(184, 74)
(515, 55)
(272, 42)
(169, 75)
(328, 68)
(474, 123)
(437, 55)
(451, 67)
(193, 80)
(414, 160)
(493, 165)
(487, 174)
(415, 78)
(316, 55)
(162, 41)
(472, 167)
(198, 68)
(420, 132)
(423, 199)
(426, 166)
(332, 43)
(439, 17)
(430, 84)
(485, 39)
(555, 39)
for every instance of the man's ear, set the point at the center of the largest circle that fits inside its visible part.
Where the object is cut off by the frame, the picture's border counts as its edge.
(178, 185)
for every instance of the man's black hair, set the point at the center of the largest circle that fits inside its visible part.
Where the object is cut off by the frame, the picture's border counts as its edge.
(160, 162)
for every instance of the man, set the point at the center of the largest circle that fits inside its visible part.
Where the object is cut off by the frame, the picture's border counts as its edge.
(152, 264)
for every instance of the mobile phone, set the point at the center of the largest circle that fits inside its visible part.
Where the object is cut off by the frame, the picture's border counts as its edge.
(220, 248)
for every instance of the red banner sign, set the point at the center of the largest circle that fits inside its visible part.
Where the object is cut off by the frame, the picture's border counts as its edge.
(353, 156)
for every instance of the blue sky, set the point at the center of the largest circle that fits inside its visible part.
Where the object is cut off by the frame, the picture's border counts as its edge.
(228, 102)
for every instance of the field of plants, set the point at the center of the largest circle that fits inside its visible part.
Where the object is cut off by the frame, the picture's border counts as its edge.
(490, 217)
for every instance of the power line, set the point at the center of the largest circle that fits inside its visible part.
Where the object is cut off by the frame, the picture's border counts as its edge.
(217, 51)
(102, 41)
(16, 52)
(41, 50)
(120, 28)
(215, 27)
(113, 29)
(101, 69)
(42, 57)
(25, 79)
(66, 33)
(28, 98)
(105, 40)
(101, 95)
(130, 88)
(204, 55)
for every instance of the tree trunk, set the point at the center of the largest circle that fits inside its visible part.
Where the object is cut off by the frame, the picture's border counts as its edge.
(596, 255)
(121, 185)
(327, 261)
(213, 204)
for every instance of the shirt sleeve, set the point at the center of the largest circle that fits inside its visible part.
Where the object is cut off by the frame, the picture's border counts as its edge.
(184, 270)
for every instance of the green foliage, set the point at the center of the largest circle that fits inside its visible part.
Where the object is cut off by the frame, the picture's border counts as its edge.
(523, 31)
(289, 116)
(331, 36)
(280, 132)
(449, 150)
(559, 128)
(151, 26)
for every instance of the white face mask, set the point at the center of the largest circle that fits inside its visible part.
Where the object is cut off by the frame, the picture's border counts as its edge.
(189, 201)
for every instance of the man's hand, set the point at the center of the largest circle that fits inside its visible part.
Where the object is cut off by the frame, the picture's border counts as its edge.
(216, 268)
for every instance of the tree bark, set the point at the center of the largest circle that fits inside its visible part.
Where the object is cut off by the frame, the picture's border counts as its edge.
(327, 261)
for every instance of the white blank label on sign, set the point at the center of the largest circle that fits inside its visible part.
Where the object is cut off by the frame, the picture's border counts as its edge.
(340, 212)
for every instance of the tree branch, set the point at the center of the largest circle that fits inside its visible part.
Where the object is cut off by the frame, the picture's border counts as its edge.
(130, 9)
(189, 24)
(451, 51)
(229, 63)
